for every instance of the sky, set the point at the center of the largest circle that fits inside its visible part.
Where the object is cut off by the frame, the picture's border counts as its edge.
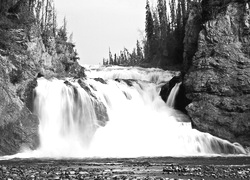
(98, 25)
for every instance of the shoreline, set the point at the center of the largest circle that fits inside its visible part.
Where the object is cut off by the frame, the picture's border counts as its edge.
(210, 168)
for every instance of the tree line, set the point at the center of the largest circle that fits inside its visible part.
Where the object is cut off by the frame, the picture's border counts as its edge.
(164, 33)
(43, 14)
(126, 58)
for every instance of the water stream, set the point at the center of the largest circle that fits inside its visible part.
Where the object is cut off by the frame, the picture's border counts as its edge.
(140, 122)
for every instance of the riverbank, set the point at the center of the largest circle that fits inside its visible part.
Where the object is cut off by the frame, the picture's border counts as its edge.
(208, 168)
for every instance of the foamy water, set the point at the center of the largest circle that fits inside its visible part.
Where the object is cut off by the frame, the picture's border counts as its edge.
(140, 122)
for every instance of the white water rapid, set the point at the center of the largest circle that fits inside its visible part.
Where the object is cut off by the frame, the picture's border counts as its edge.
(171, 98)
(140, 122)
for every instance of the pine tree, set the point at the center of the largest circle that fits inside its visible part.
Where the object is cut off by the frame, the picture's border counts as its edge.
(111, 61)
(62, 32)
(122, 59)
(149, 29)
(172, 14)
(162, 12)
(139, 54)
(115, 60)
(133, 57)
(157, 29)
(149, 23)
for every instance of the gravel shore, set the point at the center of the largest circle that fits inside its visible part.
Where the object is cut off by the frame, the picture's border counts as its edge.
(127, 169)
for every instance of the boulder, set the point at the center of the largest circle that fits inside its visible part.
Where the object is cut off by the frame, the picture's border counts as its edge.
(18, 126)
(100, 108)
(180, 100)
(217, 81)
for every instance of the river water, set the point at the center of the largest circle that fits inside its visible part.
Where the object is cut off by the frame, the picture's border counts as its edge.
(140, 123)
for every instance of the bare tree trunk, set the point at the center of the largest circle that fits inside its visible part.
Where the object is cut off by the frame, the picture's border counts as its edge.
(54, 20)
(42, 19)
(46, 14)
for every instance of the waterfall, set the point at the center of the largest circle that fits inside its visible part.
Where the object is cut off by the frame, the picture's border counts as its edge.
(140, 123)
(67, 118)
(172, 95)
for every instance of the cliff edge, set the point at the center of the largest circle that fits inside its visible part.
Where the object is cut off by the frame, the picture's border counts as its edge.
(26, 54)
(217, 78)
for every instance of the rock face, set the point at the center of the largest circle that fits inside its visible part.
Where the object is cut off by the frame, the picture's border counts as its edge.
(18, 126)
(192, 30)
(23, 57)
(218, 80)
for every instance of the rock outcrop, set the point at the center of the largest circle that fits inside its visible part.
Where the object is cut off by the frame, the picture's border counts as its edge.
(218, 77)
(18, 126)
(23, 58)
(192, 30)
(180, 100)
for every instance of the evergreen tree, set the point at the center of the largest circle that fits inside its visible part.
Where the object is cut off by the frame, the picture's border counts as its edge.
(162, 12)
(149, 29)
(139, 54)
(133, 58)
(111, 61)
(165, 31)
(157, 30)
(122, 59)
(172, 5)
(115, 60)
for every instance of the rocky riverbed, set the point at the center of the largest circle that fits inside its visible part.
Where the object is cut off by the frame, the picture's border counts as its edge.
(125, 169)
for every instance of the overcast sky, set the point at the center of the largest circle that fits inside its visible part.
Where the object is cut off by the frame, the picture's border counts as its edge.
(100, 24)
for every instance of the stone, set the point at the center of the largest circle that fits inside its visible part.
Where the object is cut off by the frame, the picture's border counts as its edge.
(100, 108)
(18, 126)
(217, 81)
(192, 30)
(180, 101)
(24, 58)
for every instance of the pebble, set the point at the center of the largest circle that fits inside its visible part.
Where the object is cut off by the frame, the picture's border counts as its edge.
(84, 173)
(122, 172)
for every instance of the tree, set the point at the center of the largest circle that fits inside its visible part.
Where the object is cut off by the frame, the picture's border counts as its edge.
(172, 5)
(162, 12)
(62, 32)
(115, 60)
(111, 61)
(157, 30)
(139, 54)
(149, 29)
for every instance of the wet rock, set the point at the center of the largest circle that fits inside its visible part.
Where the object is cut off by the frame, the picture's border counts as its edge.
(101, 112)
(26, 93)
(166, 89)
(217, 82)
(180, 101)
(129, 82)
(85, 87)
(85, 173)
(100, 108)
(18, 126)
(100, 80)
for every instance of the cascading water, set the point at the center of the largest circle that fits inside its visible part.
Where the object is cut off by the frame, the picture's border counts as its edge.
(140, 123)
(171, 98)
(67, 118)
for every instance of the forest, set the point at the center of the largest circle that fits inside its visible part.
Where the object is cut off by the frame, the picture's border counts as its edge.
(164, 34)
(42, 13)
